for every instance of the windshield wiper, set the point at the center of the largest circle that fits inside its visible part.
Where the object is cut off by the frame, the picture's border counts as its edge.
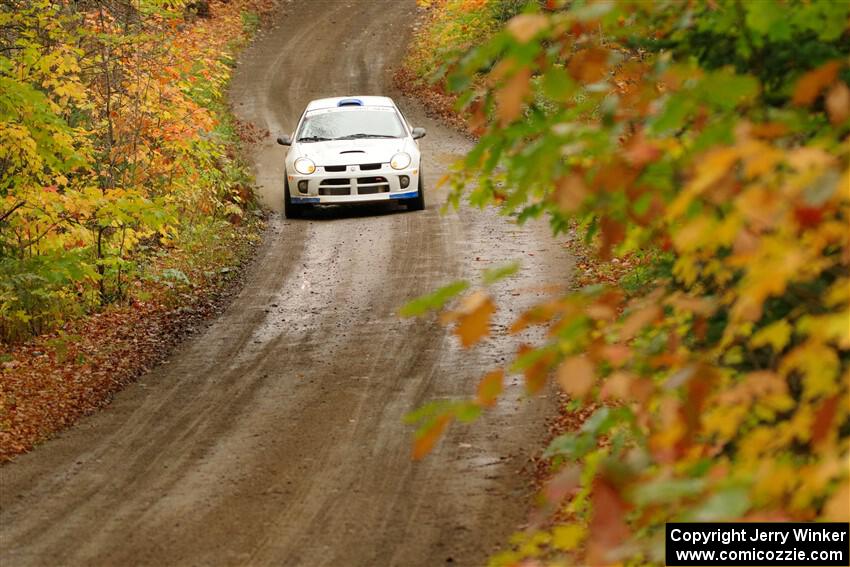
(355, 136)
(314, 139)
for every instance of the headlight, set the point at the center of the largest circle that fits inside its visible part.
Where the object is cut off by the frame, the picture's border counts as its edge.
(305, 166)
(400, 160)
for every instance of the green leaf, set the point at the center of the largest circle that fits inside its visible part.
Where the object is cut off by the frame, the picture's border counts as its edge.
(557, 85)
(493, 275)
(727, 504)
(435, 300)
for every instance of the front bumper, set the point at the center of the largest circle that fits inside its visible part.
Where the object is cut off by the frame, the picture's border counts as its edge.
(353, 185)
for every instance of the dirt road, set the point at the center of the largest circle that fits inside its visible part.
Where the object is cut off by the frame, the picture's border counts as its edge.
(275, 437)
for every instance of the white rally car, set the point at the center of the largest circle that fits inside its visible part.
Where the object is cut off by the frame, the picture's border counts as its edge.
(352, 150)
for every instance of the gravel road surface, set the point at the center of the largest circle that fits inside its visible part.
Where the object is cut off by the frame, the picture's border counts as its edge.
(275, 436)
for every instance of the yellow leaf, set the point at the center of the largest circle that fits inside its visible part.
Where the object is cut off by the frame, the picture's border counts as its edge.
(776, 335)
(709, 170)
(818, 365)
(759, 158)
(777, 481)
(567, 537)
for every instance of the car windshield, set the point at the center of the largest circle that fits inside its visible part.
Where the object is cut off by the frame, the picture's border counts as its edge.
(350, 124)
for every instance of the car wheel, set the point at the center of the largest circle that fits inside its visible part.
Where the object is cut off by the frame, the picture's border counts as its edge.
(418, 202)
(290, 210)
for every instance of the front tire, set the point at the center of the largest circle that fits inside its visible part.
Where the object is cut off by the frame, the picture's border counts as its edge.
(418, 202)
(290, 210)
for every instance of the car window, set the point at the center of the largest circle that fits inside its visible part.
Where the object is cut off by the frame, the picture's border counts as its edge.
(350, 124)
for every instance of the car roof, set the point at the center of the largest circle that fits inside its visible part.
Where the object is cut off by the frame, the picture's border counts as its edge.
(350, 101)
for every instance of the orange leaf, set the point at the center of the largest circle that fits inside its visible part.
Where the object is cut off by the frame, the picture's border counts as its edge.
(490, 388)
(576, 376)
(510, 95)
(618, 386)
(589, 65)
(525, 26)
(537, 315)
(812, 83)
(641, 151)
(477, 119)
(613, 233)
(638, 320)
(570, 191)
(535, 375)
(426, 439)
(473, 318)
(769, 130)
(823, 420)
(616, 354)
(838, 103)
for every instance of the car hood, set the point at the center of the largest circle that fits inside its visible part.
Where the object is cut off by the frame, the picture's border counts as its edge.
(352, 152)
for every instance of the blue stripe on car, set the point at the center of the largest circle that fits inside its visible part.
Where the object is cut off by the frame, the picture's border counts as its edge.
(404, 195)
(304, 199)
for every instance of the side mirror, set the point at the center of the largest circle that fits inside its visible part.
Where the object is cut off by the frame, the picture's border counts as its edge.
(418, 133)
(284, 140)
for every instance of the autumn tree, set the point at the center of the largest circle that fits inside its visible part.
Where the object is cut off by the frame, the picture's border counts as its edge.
(707, 143)
(110, 139)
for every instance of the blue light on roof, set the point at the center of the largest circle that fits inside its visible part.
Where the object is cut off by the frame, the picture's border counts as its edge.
(350, 102)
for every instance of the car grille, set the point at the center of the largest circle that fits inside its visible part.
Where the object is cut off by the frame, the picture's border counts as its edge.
(362, 167)
(372, 185)
(345, 186)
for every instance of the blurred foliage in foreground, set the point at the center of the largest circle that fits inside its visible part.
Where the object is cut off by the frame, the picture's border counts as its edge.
(113, 138)
(713, 137)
